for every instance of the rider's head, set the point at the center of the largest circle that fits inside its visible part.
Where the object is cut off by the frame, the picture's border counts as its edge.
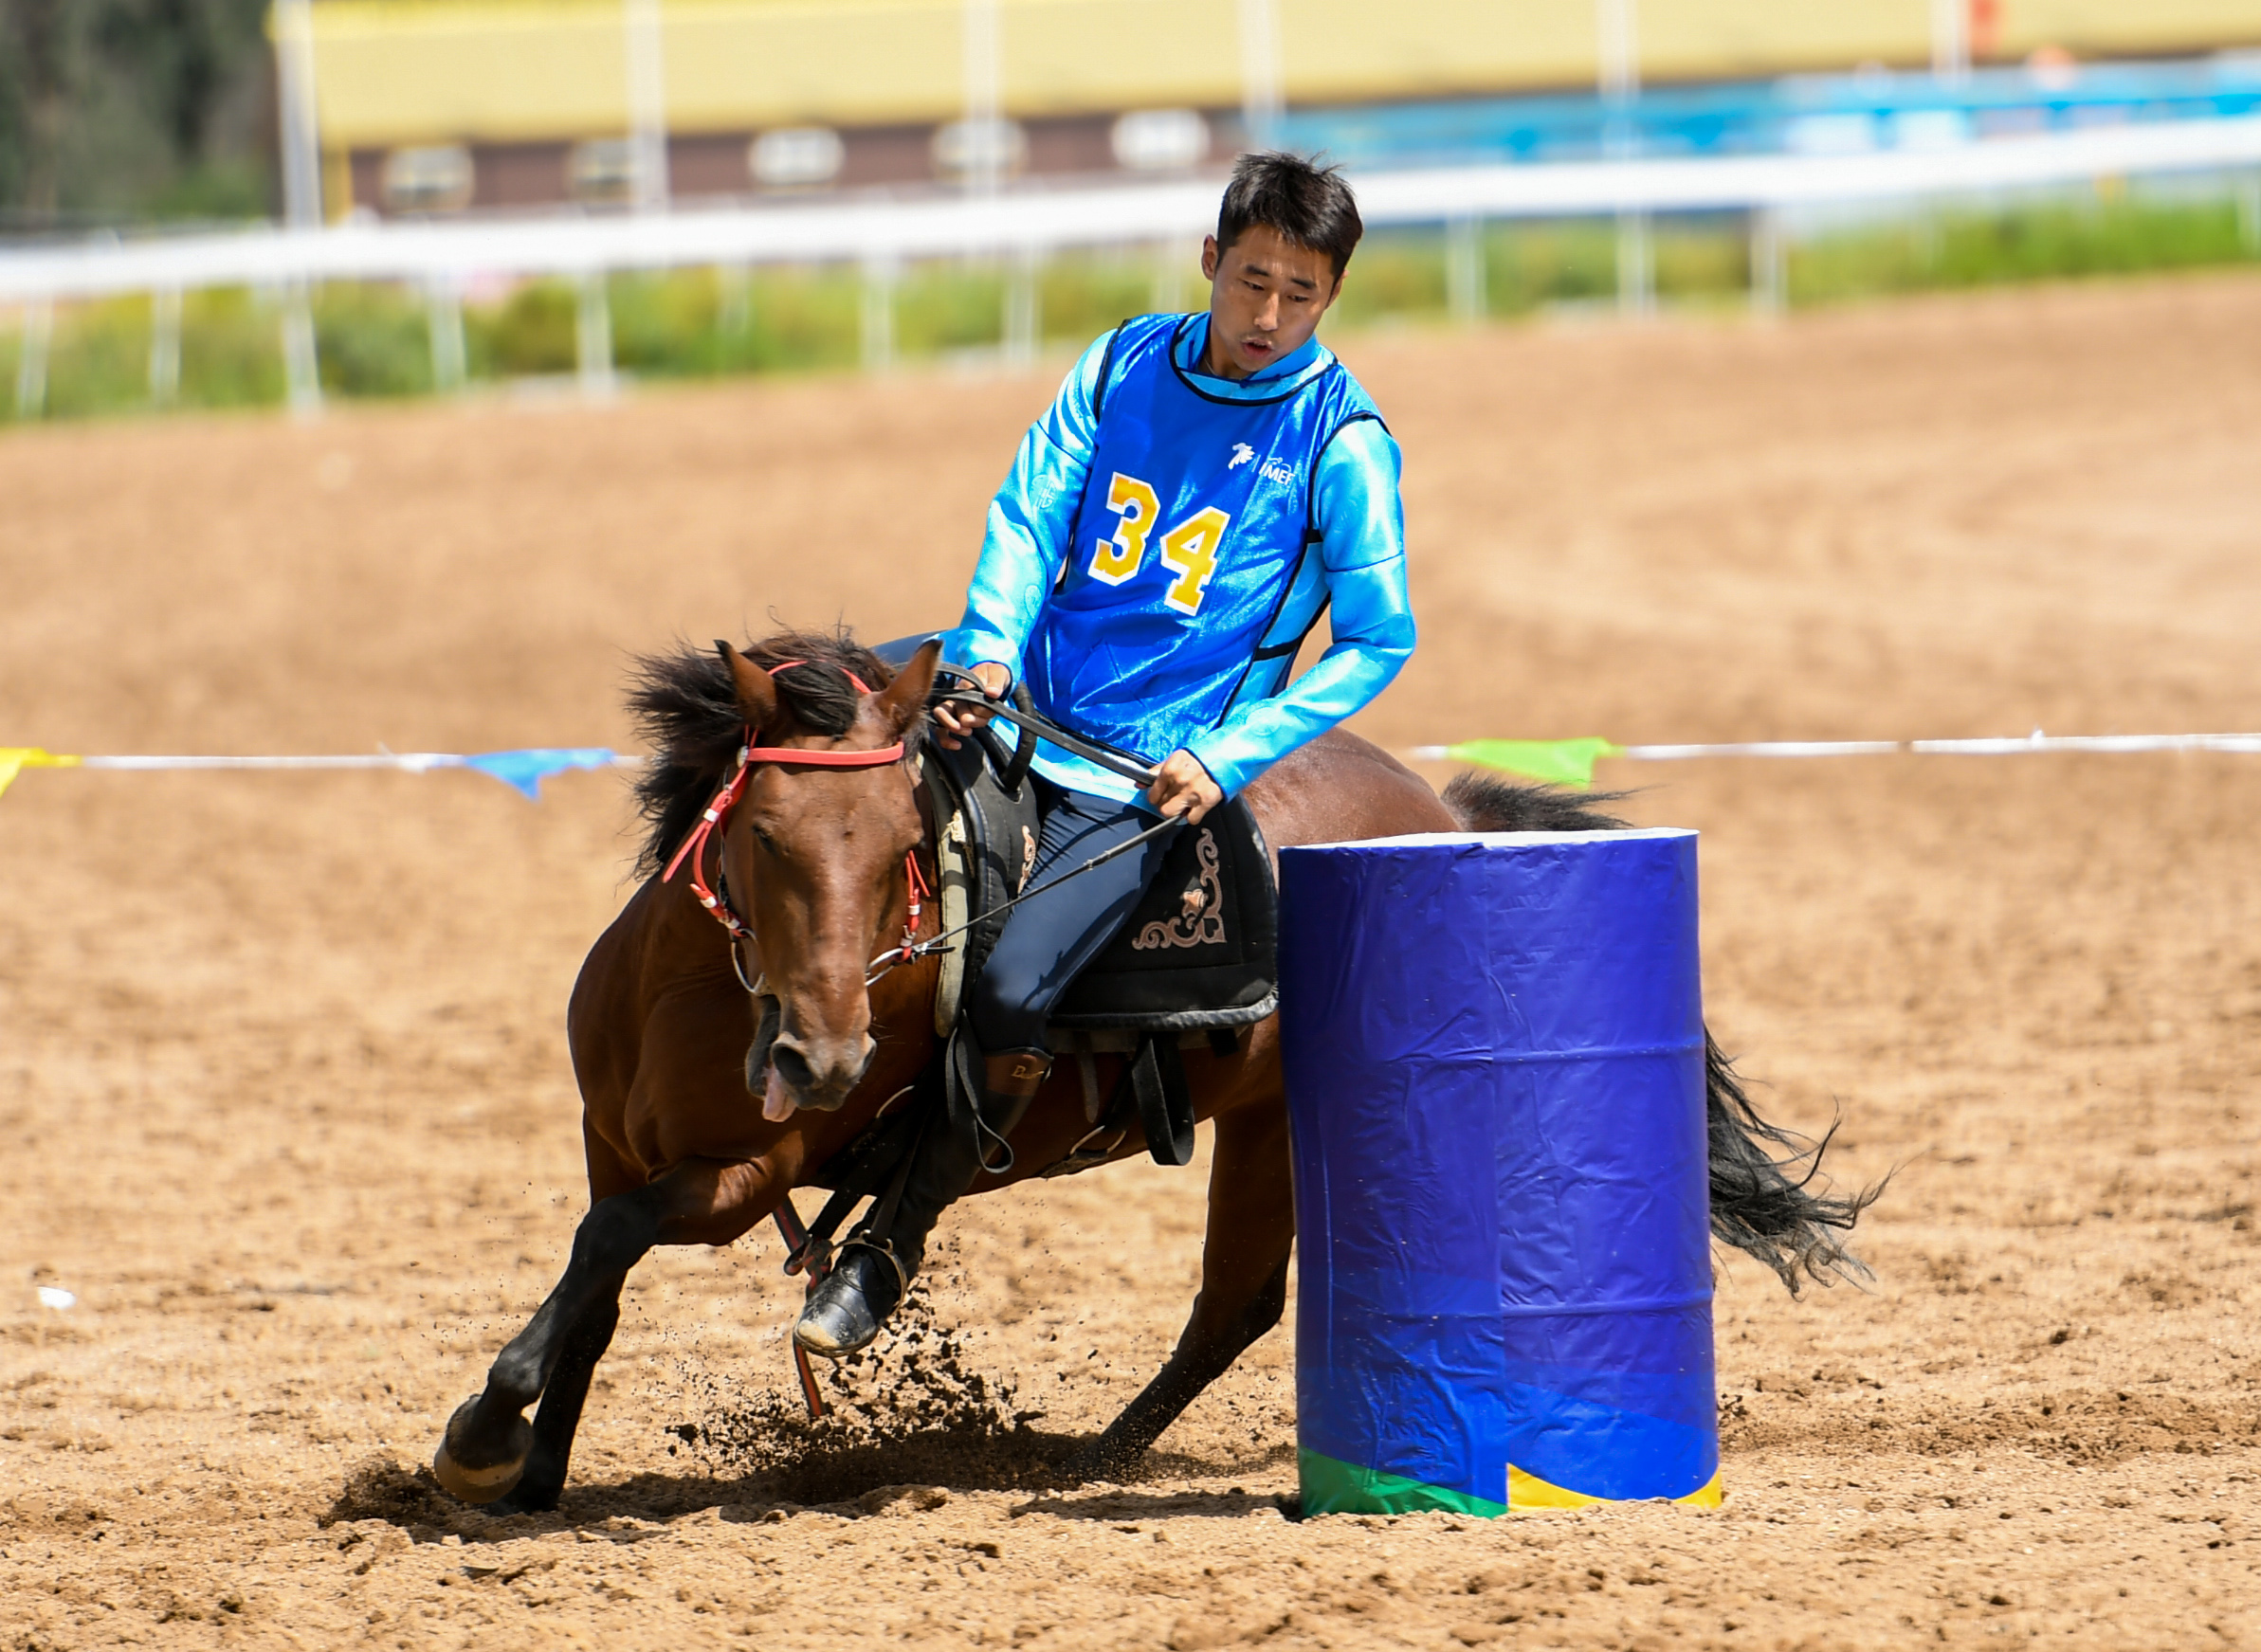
(1286, 230)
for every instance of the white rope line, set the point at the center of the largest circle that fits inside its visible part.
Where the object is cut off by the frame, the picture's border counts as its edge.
(1993, 747)
(1764, 749)
(412, 762)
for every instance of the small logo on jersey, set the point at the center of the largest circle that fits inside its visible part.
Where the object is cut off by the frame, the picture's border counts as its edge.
(1272, 470)
(1242, 454)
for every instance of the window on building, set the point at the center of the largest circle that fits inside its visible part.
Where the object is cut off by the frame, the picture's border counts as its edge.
(430, 179)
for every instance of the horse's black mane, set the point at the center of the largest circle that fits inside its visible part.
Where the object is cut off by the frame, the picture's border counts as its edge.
(686, 707)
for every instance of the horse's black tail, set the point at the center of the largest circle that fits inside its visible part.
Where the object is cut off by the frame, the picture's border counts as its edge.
(1763, 1206)
(1766, 1206)
(1485, 804)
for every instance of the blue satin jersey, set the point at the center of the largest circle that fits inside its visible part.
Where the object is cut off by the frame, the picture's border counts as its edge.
(1167, 539)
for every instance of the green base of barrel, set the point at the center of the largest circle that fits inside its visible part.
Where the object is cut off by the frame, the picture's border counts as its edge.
(1334, 1487)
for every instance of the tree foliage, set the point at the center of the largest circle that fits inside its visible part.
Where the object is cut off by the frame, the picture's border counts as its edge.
(133, 108)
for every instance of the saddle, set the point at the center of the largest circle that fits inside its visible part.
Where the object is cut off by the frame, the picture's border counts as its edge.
(1197, 960)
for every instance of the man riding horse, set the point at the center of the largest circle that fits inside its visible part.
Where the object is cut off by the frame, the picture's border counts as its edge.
(1202, 489)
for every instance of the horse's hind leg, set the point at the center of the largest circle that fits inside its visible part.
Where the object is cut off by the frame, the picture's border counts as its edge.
(1244, 1283)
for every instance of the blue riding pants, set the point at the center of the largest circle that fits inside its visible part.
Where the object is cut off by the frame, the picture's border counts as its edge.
(1051, 939)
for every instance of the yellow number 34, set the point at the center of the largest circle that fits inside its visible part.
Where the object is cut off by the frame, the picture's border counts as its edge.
(1189, 550)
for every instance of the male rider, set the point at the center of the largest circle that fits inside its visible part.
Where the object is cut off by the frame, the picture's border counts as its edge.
(1202, 489)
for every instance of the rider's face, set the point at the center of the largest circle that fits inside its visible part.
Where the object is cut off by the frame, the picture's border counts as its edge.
(1265, 297)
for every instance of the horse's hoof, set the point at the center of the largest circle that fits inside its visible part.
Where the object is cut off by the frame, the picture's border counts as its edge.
(843, 1314)
(475, 1482)
(525, 1499)
(1096, 1461)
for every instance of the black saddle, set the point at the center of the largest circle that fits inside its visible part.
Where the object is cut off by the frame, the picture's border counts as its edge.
(1173, 970)
(1180, 972)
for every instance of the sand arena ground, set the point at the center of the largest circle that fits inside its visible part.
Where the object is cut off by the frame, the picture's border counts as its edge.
(284, 1099)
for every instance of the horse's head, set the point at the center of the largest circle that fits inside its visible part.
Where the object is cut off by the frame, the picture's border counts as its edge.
(820, 853)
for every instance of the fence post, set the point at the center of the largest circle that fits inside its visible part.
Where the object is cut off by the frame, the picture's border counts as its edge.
(593, 336)
(1023, 317)
(443, 321)
(302, 365)
(1262, 97)
(1167, 296)
(1769, 275)
(879, 276)
(646, 52)
(1465, 293)
(164, 346)
(31, 362)
(734, 310)
(1950, 42)
(1636, 265)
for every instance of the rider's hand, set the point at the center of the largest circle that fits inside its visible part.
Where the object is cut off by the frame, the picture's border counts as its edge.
(957, 718)
(1181, 786)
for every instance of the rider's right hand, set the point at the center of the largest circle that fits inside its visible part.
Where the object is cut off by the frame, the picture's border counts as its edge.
(955, 717)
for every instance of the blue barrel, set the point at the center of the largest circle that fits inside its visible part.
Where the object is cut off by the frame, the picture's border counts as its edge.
(1494, 1048)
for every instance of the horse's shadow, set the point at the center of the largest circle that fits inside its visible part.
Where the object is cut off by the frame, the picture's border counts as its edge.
(849, 1479)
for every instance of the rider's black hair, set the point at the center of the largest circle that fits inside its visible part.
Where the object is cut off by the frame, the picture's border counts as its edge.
(1306, 203)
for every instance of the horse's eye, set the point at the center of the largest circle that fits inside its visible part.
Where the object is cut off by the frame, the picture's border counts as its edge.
(762, 837)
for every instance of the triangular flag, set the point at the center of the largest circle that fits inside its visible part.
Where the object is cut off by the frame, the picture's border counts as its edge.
(1557, 762)
(527, 768)
(15, 759)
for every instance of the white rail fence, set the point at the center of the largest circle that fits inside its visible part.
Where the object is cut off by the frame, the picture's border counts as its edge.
(880, 235)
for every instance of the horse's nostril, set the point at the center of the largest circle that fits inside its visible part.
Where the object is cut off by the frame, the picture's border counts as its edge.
(792, 1066)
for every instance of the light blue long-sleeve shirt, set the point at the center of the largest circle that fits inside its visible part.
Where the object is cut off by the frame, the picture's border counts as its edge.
(1359, 570)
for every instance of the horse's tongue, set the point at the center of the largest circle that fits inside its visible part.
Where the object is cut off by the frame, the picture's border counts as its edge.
(776, 1105)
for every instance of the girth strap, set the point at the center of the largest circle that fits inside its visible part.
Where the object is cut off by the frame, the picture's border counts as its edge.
(1152, 1092)
(1165, 1104)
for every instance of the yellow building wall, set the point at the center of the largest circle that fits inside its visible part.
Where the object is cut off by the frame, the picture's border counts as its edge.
(2107, 28)
(404, 71)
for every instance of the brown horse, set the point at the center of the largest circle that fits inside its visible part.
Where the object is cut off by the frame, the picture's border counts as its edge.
(661, 1021)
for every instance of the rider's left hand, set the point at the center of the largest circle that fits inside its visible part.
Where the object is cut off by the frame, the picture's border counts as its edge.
(1181, 786)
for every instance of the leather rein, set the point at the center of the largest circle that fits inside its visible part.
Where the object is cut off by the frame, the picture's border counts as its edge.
(694, 847)
(910, 949)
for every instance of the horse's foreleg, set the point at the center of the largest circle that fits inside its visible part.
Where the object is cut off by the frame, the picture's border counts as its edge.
(562, 1398)
(490, 1449)
(1244, 1283)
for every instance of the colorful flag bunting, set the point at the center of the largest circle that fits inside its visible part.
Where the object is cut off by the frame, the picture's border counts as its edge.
(524, 770)
(15, 759)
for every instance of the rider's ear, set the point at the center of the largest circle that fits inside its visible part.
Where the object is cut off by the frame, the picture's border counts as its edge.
(757, 693)
(903, 700)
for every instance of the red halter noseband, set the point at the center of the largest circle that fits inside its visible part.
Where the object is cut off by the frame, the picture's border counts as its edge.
(694, 847)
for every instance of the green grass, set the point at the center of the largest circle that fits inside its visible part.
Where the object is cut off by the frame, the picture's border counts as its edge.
(373, 340)
(2108, 236)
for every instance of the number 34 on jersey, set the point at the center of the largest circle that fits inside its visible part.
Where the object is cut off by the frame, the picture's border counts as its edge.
(1189, 550)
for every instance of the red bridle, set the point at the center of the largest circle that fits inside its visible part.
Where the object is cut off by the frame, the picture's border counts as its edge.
(694, 847)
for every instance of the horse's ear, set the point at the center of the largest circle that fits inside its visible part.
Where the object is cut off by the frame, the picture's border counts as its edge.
(903, 700)
(757, 693)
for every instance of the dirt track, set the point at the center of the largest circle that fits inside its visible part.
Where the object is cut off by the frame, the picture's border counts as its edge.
(284, 1101)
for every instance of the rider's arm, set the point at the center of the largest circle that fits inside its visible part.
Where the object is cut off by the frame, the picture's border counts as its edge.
(1362, 559)
(1030, 522)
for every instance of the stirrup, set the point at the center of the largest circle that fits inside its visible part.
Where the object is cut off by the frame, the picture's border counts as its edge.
(884, 1247)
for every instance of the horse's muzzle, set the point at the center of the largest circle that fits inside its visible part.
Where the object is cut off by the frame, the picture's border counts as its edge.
(816, 1077)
